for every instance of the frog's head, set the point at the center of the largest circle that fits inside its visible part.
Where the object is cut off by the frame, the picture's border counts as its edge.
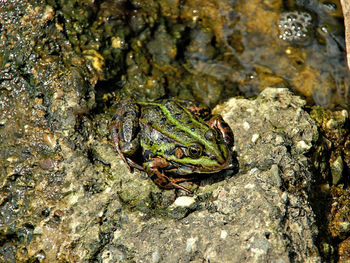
(207, 154)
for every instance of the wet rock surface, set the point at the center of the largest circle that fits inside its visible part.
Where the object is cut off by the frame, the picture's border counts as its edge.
(88, 207)
(66, 196)
(259, 214)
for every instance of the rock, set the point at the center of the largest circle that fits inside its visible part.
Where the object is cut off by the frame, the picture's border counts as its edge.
(333, 148)
(339, 217)
(344, 250)
(286, 134)
(259, 214)
(184, 201)
(337, 166)
(253, 217)
(90, 207)
(66, 195)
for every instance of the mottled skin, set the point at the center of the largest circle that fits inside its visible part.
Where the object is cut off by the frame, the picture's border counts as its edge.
(170, 139)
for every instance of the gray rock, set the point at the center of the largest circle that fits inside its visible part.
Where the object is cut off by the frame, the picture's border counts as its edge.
(259, 215)
(90, 208)
(69, 197)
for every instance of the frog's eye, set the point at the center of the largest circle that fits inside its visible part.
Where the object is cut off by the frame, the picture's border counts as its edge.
(211, 134)
(195, 151)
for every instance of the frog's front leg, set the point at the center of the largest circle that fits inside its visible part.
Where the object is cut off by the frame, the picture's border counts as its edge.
(217, 122)
(124, 132)
(153, 168)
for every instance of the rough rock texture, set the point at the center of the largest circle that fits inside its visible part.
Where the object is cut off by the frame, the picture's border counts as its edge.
(272, 135)
(259, 215)
(66, 196)
(100, 211)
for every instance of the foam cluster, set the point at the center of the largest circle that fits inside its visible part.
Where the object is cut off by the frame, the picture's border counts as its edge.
(294, 26)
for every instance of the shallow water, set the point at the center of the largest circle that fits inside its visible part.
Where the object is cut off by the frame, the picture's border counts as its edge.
(316, 66)
(207, 51)
(214, 50)
(285, 45)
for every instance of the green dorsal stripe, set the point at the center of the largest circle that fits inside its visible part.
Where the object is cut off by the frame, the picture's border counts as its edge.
(183, 127)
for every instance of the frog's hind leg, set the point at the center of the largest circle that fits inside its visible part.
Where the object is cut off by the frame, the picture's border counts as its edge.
(159, 178)
(166, 182)
(114, 130)
(124, 132)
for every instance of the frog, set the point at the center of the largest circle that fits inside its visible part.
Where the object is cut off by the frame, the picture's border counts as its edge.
(171, 140)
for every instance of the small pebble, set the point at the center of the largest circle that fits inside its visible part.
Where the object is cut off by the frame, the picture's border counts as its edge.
(255, 137)
(345, 113)
(246, 126)
(49, 139)
(184, 201)
(302, 146)
(48, 164)
(191, 245)
(249, 186)
(252, 171)
(223, 234)
(284, 197)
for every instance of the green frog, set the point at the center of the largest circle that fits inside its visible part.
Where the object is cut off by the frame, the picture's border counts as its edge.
(171, 140)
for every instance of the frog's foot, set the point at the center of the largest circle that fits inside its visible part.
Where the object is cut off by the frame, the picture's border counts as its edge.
(218, 123)
(166, 182)
(159, 178)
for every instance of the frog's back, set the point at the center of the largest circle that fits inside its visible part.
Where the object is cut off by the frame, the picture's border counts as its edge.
(168, 121)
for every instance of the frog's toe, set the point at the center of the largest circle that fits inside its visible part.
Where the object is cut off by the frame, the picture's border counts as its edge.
(168, 183)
